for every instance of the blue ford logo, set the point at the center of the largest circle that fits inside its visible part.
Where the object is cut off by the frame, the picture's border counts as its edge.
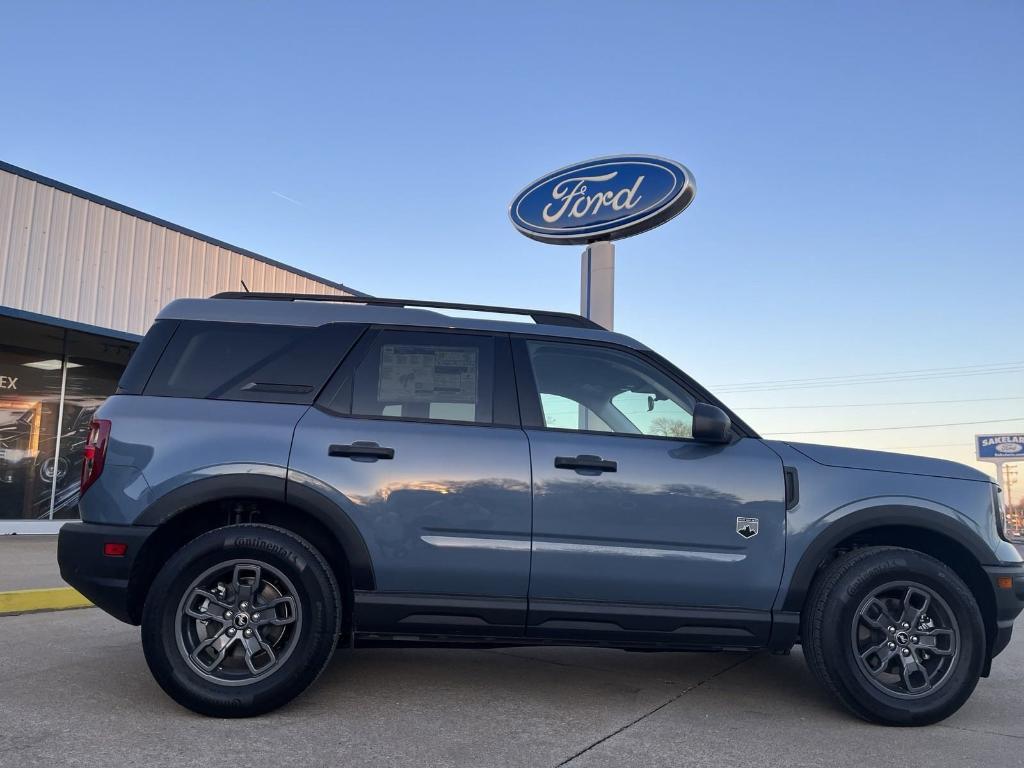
(604, 199)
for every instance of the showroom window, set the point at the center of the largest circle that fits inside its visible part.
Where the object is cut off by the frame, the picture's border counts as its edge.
(42, 433)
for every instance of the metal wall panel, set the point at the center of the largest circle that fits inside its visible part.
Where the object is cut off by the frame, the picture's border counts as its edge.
(70, 256)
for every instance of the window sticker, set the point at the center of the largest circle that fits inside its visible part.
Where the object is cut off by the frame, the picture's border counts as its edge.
(413, 373)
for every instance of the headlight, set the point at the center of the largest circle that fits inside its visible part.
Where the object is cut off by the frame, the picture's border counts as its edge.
(1009, 527)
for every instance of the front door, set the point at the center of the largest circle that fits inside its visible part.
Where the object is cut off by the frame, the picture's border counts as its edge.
(417, 440)
(638, 530)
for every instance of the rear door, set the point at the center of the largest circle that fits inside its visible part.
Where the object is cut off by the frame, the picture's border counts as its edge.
(417, 439)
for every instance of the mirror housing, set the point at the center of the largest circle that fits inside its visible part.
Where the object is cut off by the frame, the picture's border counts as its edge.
(711, 424)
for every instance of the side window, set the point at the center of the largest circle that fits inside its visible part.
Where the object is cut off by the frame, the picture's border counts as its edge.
(424, 375)
(592, 388)
(249, 361)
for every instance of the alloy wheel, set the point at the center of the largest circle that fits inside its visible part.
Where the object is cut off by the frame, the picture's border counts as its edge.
(238, 622)
(906, 639)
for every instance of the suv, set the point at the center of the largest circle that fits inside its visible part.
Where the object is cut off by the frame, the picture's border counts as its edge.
(281, 474)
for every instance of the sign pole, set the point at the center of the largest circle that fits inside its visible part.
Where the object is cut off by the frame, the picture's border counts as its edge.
(597, 283)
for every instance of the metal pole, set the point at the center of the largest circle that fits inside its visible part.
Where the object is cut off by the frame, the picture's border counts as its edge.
(597, 293)
(1009, 482)
(60, 428)
(597, 283)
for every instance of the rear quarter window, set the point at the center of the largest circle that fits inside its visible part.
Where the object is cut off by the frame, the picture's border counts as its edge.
(250, 361)
(144, 359)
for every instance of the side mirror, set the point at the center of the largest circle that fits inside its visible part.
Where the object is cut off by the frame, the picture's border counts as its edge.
(711, 424)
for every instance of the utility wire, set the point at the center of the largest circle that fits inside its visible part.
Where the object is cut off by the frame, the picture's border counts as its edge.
(872, 405)
(880, 373)
(962, 444)
(887, 429)
(855, 382)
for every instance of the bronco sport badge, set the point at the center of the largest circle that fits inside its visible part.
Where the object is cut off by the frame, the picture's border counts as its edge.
(746, 527)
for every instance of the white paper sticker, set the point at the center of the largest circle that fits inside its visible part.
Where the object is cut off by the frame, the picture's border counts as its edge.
(414, 373)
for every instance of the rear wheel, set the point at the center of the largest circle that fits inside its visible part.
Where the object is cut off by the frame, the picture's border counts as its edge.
(241, 620)
(895, 635)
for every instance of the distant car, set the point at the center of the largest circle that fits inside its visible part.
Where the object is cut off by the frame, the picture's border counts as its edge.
(278, 475)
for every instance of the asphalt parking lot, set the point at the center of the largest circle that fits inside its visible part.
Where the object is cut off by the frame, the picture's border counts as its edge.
(75, 690)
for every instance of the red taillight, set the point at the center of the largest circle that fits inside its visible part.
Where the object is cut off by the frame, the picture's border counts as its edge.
(95, 452)
(115, 549)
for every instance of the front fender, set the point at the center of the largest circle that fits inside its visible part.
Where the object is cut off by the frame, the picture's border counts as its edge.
(862, 515)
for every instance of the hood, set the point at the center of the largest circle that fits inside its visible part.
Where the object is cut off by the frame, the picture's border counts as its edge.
(880, 461)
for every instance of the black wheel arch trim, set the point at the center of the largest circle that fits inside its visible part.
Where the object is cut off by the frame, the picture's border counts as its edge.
(882, 516)
(270, 486)
(339, 523)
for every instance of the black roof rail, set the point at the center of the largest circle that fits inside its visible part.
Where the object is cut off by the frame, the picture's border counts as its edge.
(541, 317)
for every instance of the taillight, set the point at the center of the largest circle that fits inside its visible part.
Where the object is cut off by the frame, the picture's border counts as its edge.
(95, 452)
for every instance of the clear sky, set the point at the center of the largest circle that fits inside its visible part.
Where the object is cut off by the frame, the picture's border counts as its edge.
(860, 206)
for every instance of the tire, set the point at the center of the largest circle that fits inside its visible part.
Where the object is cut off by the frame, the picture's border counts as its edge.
(859, 650)
(218, 658)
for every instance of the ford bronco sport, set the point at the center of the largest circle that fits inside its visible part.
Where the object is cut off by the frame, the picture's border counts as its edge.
(278, 475)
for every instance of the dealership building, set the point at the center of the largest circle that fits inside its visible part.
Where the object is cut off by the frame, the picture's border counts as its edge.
(81, 279)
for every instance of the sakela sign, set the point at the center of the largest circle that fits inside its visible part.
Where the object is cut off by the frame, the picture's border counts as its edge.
(1000, 447)
(603, 199)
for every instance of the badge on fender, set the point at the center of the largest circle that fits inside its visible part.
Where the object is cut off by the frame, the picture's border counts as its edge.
(746, 527)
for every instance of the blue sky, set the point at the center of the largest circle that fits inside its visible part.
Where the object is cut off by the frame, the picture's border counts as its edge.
(858, 165)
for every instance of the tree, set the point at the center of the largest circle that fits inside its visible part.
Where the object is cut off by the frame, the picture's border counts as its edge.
(666, 427)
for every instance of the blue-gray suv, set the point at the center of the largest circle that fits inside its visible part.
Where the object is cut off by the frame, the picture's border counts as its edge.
(279, 475)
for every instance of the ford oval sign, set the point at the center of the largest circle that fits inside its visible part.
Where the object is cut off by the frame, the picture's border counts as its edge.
(604, 199)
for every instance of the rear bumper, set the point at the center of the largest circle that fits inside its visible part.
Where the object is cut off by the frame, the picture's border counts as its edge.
(104, 580)
(1009, 602)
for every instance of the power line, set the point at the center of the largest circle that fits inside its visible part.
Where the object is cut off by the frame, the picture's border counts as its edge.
(880, 373)
(887, 429)
(962, 444)
(872, 405)
(852, 382)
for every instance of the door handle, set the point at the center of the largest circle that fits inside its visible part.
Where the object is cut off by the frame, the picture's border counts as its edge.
(586, 465)
(361, 451)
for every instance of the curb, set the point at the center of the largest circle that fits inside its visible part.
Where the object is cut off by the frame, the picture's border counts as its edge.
(28, 600)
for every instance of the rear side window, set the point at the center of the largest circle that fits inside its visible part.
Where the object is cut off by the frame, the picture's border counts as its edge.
(140, 366)
(254, 362)
(426, 376)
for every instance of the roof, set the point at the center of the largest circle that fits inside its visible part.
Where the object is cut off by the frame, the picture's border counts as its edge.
(314, 312)
(17, 171)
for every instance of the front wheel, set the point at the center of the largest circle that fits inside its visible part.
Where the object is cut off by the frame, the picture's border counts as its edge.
(241, 620)
(895, 635)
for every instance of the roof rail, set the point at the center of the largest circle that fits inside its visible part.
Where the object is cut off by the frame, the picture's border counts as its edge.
(541, 317)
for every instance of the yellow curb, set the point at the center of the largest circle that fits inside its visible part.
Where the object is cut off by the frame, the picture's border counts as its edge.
(56, 599)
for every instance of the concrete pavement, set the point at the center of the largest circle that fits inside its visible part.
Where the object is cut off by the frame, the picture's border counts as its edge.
(75, 690)
(29, 562)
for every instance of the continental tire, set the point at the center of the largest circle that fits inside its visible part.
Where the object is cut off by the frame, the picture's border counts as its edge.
(895, 635)
(241, 620)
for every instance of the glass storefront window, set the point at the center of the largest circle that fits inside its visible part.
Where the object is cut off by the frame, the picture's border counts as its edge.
(41, 436)
(94, 366)
(31, 365)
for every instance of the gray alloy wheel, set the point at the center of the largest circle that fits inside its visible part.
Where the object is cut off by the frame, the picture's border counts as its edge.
(238, 622)
(906, 639)
(894, 634)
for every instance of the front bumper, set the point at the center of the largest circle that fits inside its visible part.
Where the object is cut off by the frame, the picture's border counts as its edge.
(105, 580)
(1009, 602)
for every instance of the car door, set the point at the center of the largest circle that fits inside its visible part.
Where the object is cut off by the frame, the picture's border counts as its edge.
(417, 440)
(639, 531)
